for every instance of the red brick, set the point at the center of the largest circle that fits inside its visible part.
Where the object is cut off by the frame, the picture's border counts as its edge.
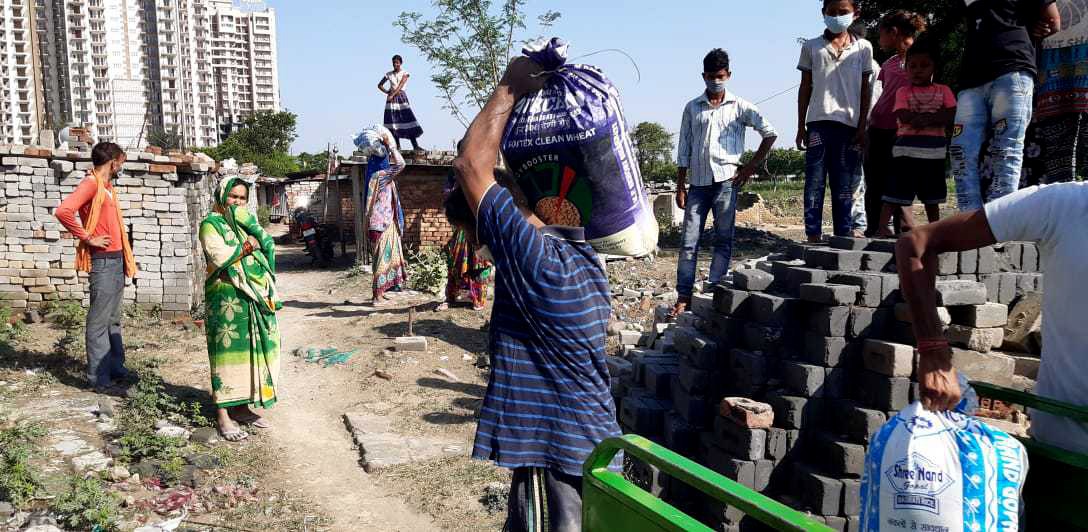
(747, 413)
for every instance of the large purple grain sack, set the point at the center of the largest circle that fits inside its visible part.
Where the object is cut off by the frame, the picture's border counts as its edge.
(569, 149)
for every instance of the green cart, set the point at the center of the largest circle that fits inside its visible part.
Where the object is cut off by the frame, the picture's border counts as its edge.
(1056, 491)
(610, 503)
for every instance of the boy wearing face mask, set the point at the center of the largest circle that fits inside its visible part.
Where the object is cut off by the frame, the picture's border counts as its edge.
(832, 115)
(103, 251)
(710, 172)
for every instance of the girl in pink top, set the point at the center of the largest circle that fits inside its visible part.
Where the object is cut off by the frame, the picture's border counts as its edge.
(897, 32)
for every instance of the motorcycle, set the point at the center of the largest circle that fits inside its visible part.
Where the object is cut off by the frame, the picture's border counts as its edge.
(316, 238)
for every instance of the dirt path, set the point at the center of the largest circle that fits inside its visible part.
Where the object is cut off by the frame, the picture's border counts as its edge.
(309, 434)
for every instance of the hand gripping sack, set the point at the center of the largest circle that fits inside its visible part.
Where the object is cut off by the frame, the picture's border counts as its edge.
(942, 472)
(369, 141)
(569, 150)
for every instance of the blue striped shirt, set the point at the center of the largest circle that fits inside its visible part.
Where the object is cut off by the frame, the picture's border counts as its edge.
(548, 402)
(711, 139)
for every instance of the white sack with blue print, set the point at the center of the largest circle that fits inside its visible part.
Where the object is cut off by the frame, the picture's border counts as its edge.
(942, 472)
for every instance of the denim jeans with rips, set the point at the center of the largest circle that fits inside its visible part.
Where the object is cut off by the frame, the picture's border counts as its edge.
(834, 158)
(1004, 107)
(722, 199)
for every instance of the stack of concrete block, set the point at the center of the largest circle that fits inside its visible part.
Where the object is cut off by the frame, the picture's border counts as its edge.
(159, 195)
(820, 335)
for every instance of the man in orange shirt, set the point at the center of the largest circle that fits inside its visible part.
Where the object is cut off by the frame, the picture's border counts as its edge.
(105, 253)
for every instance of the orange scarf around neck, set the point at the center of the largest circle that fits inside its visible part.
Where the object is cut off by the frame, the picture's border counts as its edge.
(83, 250)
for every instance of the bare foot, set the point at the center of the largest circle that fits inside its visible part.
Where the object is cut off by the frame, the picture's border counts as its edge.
(441, 307)
(229, 429)
(859, 234)
(679, 308)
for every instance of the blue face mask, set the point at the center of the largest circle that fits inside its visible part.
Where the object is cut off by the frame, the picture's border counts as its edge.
(838, 24)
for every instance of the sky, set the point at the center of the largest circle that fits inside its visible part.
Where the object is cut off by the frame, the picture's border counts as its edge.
(332, 53)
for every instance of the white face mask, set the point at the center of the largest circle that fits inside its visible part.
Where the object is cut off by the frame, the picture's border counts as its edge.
(839, 24)
(715, 86)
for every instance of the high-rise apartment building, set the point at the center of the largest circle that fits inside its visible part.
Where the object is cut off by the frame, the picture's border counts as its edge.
(243, 60)
(20, 109)
(128, 68)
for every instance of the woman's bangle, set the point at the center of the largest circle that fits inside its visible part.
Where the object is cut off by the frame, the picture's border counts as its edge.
(933, 344)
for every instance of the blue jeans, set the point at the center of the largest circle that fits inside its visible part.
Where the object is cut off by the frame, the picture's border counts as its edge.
(1004, 105)
(832, 156)
(722, 198)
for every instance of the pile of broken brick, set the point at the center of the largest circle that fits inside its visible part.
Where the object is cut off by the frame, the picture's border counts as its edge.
(779, 379)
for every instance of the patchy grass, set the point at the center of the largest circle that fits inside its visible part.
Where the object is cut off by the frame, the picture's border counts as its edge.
(449, 490)
(784, 199)
(19, 479)
(87, 505)
(147, 404)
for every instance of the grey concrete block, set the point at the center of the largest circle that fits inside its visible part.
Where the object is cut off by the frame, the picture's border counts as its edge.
(681, 436)
(741, 442)
(876, 261)
(948, 264)
(764, 338)
(839, 458)
(987, 260)
(851, 496)
(975, 339)
(837, 382)
(870, 287)
(695, 409)
(826, 351)
(821, 494)
(886, 245)
(884, 393)
(888, 359)
(702, 351)
(863, 423)
(1009, 284)
(803, 379)
(776, 443)
(658, 378)
(749, 373)
(731, 301)
(951, 293)
(1010, 256)
(969, 261)
(829, 321)
(752, 280)
(984, 315)
(833, 259)
(798, 275)
(829, 294)
(1030, 260)
(698, 380)
(848, 243)
(742, 471)
(643, 413)
(410, 343)
(793, 412)
(992, 282)
(769, 309)
(994, 368)
(727, 330)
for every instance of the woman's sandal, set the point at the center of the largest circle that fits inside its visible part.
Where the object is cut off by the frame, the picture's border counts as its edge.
(234, 435)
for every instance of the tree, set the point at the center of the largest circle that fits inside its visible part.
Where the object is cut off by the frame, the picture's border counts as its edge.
(780, 162)
(167, 140)
(264, 140)
(468, 44)
(314, 161)
(946, 30)
(653, 148)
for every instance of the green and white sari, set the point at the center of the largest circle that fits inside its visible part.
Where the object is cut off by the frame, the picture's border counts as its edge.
(240, 296)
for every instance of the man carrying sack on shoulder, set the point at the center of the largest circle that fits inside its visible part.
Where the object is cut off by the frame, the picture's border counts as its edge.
(104, 252)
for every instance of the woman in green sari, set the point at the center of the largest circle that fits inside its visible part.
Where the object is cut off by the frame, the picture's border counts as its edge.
(240, 297)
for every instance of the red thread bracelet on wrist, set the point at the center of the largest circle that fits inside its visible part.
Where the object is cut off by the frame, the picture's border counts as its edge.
(932, 344)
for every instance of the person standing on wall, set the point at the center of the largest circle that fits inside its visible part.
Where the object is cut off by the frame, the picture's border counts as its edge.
(832, 118)
(399, 117)
(997, 82)
(105, 253)
(709, 170)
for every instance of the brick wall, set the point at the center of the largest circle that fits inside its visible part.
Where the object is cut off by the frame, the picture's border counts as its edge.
(163, 197)
(421, 198)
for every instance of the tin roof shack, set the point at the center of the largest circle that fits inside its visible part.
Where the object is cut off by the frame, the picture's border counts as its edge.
(271, 193)
(421, 187)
